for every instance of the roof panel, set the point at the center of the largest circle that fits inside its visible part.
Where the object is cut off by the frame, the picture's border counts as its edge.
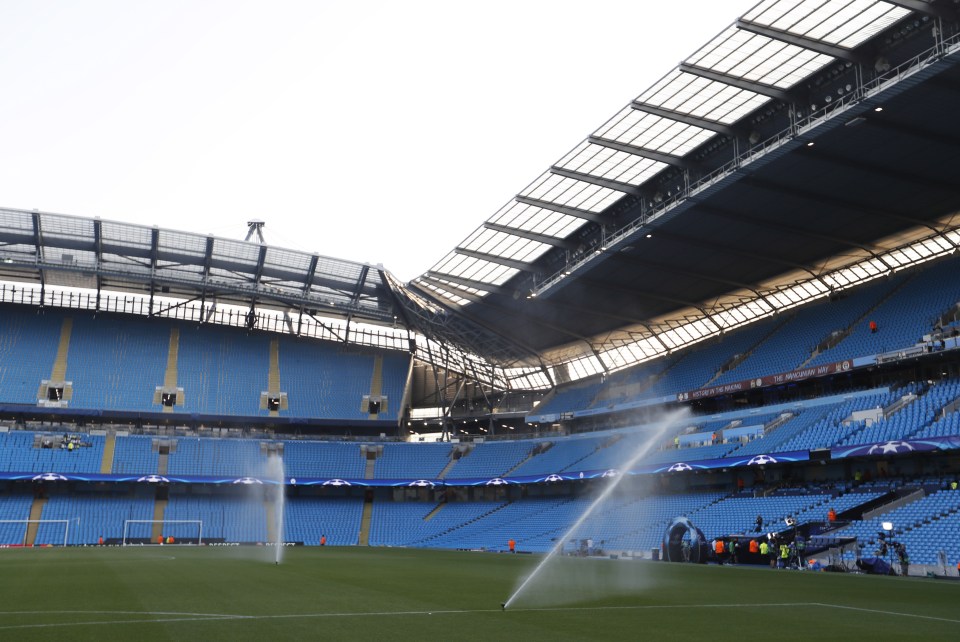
(338, 270)
(505, 245)
(758, 58)
(844, 23)
(659, 134)
(604, 162)
(701, 97)
(69, 226)
(474, 269)
(16, 219)
(568, 191)
(122, 234)
(182, 243)
(536, 219)
(288, 259)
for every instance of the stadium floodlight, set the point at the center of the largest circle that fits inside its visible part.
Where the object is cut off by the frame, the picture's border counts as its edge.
(128, 522)
(27, 522)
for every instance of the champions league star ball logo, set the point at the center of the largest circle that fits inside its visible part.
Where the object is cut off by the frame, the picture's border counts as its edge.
(421, 483)
(761, 460)
(336, 482)
(553, 478)
(497, 481)
(154, 479)
(247, 480)
(679, 467)
(890, 447)
(50, 477)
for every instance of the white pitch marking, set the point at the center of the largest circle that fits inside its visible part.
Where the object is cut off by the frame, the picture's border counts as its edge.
(206, 617)
(48, 612)
(881, 612)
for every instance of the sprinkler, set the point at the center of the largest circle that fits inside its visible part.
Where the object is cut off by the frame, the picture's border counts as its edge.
(503, 606)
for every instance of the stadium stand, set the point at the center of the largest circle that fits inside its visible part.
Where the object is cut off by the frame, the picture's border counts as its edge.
(28, 347)
(92, 515)
(307, 519)
(116, 364)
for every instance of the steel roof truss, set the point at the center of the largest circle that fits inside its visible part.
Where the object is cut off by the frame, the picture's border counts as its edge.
(735, 81)
(576, 212)
(818, 46)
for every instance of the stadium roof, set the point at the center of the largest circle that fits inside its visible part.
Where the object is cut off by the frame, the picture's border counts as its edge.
(808, 136)
(71, 251)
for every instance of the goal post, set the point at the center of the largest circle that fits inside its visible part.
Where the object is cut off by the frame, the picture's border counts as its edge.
(38, 522)
(128, 522)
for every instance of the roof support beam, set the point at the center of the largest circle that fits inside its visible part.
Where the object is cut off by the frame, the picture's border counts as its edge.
(686, 119)
(261, 259)
(154, 253)
(531, 236)
(626, 188)
(37, 236)
(98, 252)
(576, 212)
(38, 244)
(358, 291)
(801, 41)
(467, 283)
(207, 258)
(735, 81)
(154, 249)
(493, 258)
(660, 157)
(308, 282)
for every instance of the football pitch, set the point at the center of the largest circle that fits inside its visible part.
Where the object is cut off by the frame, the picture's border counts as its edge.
(190, 593)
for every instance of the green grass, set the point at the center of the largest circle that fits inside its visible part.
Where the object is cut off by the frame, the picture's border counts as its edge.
(175, 593)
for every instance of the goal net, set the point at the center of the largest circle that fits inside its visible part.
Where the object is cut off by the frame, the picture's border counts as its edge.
(140, 531)
(11, 532)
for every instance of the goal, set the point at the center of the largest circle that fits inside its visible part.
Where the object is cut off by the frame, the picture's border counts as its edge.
(38, 522)
(195, 533)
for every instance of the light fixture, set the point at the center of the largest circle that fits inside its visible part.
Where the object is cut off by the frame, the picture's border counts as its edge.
(649, 236)
(878, 109)
(810, 144)
(887, 526)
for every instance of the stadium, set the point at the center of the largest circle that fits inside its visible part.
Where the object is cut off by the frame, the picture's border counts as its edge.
(700, 376)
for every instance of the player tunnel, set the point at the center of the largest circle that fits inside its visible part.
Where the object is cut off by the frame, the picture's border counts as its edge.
(681, 529)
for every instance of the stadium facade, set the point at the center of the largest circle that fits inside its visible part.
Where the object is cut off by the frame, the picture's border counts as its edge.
(765, 238)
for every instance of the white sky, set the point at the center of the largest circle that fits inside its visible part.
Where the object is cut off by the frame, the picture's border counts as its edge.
(373, 131)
